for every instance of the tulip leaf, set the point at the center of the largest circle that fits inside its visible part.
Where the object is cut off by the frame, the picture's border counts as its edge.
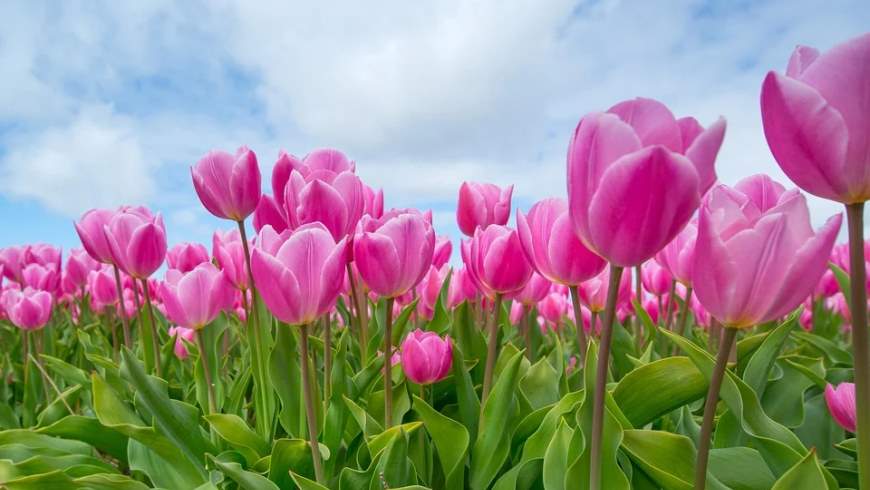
(469, 403)
(805, 474)
(247, 480)
(843, 279)
(654, 389)
(536, 445)
(290, 455)
(556, 457)
(235, 431)
(59, 479)
(286, 375)
(91, 431)
(753, 475)
(523, 476)
(540, 385)
(666, 458)
(450, 438)
(756, 373)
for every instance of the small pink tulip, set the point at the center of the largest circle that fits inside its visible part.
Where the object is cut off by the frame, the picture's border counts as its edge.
(394, 256)
(817, 120)
(461, 288)
(637, 145)
(553, 308)
(336, 200)
(44, 278)
(443, 249)
(184, 257)
(228, 185)
(374, 202)
(655, 278)
(28, 309)
(481, 205)
(551, 245)
(300, 279)
(229, 253)
(269, 212)
(194, 299)
(78, 265)
(756, 257)
(43, 254)
(534, 290)
(426, 357)
(678, 256)
(496, 261)
(181, 334)
(841, 404)
(651, 306)
(90, 230)
(806, 318)
(101, 286)
(517, 312)
(137, 241)
(593, 292)
(12, 261)
(429, 289)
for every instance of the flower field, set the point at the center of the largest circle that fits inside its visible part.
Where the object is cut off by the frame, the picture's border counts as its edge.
(652, 329)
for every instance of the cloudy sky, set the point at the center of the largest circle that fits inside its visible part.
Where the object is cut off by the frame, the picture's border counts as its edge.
(108, 103)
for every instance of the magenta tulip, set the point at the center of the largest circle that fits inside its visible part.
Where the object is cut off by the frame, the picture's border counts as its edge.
(426, 358)
(756, 257)
(269, 212)
(552, 246)
(184, 257)
(678, 256)
(593, 292)
(373, 202)
(817, 120)
(534, 290)
(229, 253)
(101, 286)
(78, 265)
(429, 289)
(496, 261)
(299, 274)
(336, 200)
(655, 278)
(28, 309)
(461, 288)
(443, 250)
(841, 404)
(481, 205)
(181, 335)
(395, 254)
(553, 308)
(137, 241)
(43, 278)
(633, 183)
(228, 185)
(12, 261)
(195, 298)
(90, 230)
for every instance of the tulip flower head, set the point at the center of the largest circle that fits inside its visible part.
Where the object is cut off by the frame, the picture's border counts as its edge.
(841, 404)
(185, 256)
(496, 261)
(27, 309)
(426, 357)
(137, 241)
(195, 298)
(394, 256)
(481, 205)
(228, 185)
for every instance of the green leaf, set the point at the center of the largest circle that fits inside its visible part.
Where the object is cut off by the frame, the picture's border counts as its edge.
(247, 480)
(90, 431)
(758, 368)
(753, 473)
(234, 430)
(657, 388)
(286, 375)
(540, 385)
(451, 441)
(306, 484)
(469, 403)
(290, 455)
(668, 459)
(842, 278)
(556, 458)
(394, 469)
(536, 444)
(60, 480)
(523, 476)
(806, 474)
(382, 440)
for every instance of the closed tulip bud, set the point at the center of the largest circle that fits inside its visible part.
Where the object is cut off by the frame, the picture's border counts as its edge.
(90, 230)
(181, 335)
(533, 291)
(443, 250)
(817, 120)
(461, 288)
(12, 261)
(552, 246)
(300, 280)
(426, 358)
(553, 308)
(429, 289)
(101, 286)
(678, 256)
(841, 404)
(637, 144)
(517, 312)
(184, 257)
(496, 261)
(44, 278)
(481, 205)
(374, 202)
(285, 165)
(593, 292)
(78, 265)
(194, 299)
(228, 185)
(228, 250)
(757, 257)
(27, 309)
(394, 256)
(655, 278)
(334, 199)
(43, 254)
(269, 212)
(137, 241)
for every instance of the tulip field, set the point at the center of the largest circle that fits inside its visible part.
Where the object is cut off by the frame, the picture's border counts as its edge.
(652, 329)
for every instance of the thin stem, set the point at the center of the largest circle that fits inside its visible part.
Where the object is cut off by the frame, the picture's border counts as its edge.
(682, 325)
(311, 415)
(51, 382)
(578, 319)
(361, 315)
(860, 338)
(526, 327)
(670, 306)
(710, 407)
(327, 359)
(203, 358)
(25, 354)
(601, 378)
(123, 311)
(145, 334)
(155, 339)
(491, 348)
(388, 365)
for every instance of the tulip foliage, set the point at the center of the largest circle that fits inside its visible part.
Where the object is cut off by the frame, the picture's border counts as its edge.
(652, 329)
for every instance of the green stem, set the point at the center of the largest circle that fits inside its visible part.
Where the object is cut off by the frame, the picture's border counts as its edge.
(361, 315)
(155, 338)
(310, 413)
(145, 333)
(526, 327)
(670, 306)
(122, 311)
(203, 358)
(578, 319)
(682, 325)
(388, 365)
(327, 360)
(601, 378)
(710, 407)
(860, 338)
(491, 349)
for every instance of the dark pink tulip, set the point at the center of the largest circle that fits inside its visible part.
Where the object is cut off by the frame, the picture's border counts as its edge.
(285, 164)
(651, 306)
(90, 230)
(443, 249)
(181, 335)
(194, 299)
(137, 241)
(43, 254)
(336, 200)
(429, 289)
(185, 256)
(374, 202)
(678, 256)
(756, 257)
(632, 182)
(300, 279)
(41, 277)
(328, 159)
(655, 278)
(28, 309)
(394, 256)
(101, 286)
(12, 261)
(481, 205)
(817, 120)
(841, 404)
(461, 288)
(517, 312)
(426, 357)
(78, 265)
(593, 292)
(553, 308)
(228, 185)
(552, 246)
(534, 290)
(496, 261)
(229, 253)
(269, 212)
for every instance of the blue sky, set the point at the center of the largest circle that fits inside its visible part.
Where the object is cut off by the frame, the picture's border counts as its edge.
(109, 103)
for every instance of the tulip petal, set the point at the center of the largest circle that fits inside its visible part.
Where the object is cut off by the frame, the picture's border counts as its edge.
(703, 150)
(652, 121)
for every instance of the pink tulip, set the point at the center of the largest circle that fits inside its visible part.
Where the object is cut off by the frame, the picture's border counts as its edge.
(593, 292)
(655, 278)
(374, 202)
(533, 291)
(12, 261)
(43, 254)
(28, 309)
(78, 265)
(137, 241)
(651, 306)
(300, 278)
(841, 404)
(194, 299)
(229, 252)
(394, 256)
(635, 177)
(461, 288)
(481, 205)
(806, 318)
(517, 312)
(90, 230)
(757, 257)
(496, 261)
(429, 289)
(426, 357)
(181, 334)
(228, 185)
(44, 278)
(553, 308)
(551, 245)
(443, 249)
(101, 286)
(336, 200)
(184, 257)
(817, 120)
(678, 256)
(269, 212)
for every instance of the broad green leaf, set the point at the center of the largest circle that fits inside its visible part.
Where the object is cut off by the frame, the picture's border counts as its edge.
(382, 440)
(451, 441)
(246, 480)
(394, 469)
(652, 390)
(753, 474)
(540, 385)
(806, 474)
(523, 476)
(469, 403)
(758, 368)
(668, 459)
(234, 430)
(91, 431)
(60, 480)
(290, 455)
(286, 375)
(556, 458)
